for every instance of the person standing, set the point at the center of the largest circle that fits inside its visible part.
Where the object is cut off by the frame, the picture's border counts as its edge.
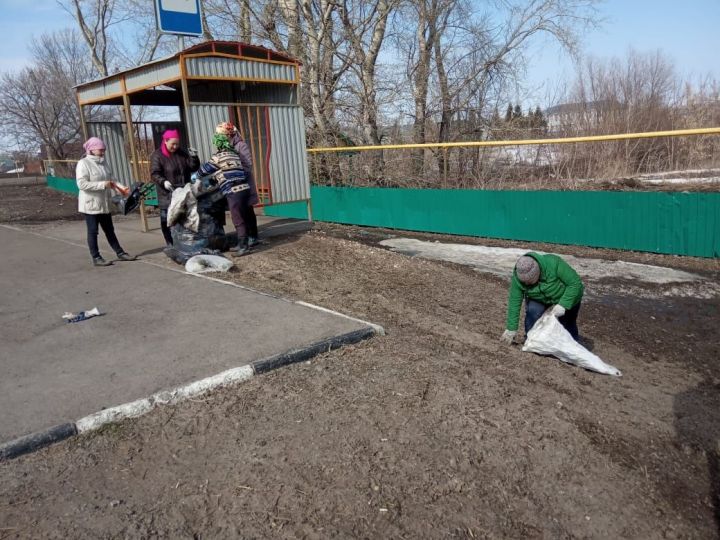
(241, 148)
(225, 168)
(544, 282)
(170, 168)
(94, 180)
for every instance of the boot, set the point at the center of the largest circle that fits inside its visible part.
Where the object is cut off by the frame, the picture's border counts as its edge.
(242, 247)
(253, 241)
(99, 261)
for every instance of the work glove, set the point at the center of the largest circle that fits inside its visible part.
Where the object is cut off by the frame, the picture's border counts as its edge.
(557, 311)
(168, 186)
(508, 336)
(192, 152)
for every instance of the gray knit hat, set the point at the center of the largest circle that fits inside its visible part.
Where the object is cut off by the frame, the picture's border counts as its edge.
(528, 270)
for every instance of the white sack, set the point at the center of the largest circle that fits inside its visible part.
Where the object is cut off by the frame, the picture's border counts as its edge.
(549, 337)
(184, 204)
(200, 264)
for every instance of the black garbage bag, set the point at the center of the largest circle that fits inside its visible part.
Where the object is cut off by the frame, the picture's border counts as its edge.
(138, 192)
(210, 237)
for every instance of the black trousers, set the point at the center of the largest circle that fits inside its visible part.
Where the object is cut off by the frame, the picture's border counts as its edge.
(251, 223)
(240, 209)
(164, 226)
(104, 221)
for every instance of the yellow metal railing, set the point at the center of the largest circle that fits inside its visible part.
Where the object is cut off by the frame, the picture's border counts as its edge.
(525, 142)
(538, 163)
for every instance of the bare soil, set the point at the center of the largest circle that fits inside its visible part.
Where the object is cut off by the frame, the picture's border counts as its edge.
(35, 203)
(435, 430)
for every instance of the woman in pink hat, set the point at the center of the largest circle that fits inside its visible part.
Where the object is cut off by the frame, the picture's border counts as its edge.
(170, 168)
(94, 180)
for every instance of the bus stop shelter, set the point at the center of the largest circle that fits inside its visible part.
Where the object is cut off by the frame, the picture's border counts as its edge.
(255, 88)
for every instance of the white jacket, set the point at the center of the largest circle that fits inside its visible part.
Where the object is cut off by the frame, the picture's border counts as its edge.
(91, 175)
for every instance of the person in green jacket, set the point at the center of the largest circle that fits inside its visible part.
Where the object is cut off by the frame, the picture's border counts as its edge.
(545, 282)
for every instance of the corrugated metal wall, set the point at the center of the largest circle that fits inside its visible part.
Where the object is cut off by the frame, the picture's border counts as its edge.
(248, 92)
(672, 223)
(101, 89)
(113, 134)
(202, 120)
(289, 177)
(153, 74)
(275, 136)
(251, 121)
(243, 69)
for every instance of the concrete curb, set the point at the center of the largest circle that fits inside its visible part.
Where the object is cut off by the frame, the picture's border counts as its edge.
(41, 439)
(35, 441)
(305, 353)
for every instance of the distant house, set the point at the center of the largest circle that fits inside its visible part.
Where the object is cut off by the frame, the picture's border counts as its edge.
(20, 164)
(578, 116)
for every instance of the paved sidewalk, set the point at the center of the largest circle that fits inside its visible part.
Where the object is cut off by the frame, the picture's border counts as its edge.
(160, 328)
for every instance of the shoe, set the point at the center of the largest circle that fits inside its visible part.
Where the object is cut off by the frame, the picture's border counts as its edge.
(99, 261)
(241, 248)
(253, 241)
(125, 257)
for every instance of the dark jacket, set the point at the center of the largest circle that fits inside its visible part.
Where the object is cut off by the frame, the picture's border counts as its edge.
(243, 151)
(558, 284)
(175, 168)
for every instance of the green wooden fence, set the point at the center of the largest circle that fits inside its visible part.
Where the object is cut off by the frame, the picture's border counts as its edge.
(659, 222)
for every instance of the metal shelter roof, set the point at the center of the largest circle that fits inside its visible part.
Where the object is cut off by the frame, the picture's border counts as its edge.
(207, 61)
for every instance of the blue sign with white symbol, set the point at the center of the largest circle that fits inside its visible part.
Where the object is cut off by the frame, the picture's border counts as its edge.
(180, 17)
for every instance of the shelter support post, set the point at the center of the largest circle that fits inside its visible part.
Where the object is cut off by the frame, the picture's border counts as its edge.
(83, 125)
(134, 157)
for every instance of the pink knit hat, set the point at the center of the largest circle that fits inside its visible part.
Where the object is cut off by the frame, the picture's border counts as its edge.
(171, 134)
(93, 143)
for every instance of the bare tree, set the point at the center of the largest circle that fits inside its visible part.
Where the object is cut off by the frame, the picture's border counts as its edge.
(137, 18)
(106, 24)
(38, 105)
(463, 57)
(364, 27)
(633, 94)
(94, 18)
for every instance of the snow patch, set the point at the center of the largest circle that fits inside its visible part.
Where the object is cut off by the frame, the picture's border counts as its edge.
(501, 261)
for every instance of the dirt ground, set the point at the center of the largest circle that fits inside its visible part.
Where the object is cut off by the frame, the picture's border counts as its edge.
(32, 203)
(435, 430)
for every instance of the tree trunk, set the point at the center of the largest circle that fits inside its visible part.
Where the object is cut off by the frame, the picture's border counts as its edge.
(446, 112)
(244, 26)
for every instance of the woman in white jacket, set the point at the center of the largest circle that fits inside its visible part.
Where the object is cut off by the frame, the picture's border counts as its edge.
(93, 178)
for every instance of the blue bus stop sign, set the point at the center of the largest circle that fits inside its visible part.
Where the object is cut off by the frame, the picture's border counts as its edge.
(180, 17)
